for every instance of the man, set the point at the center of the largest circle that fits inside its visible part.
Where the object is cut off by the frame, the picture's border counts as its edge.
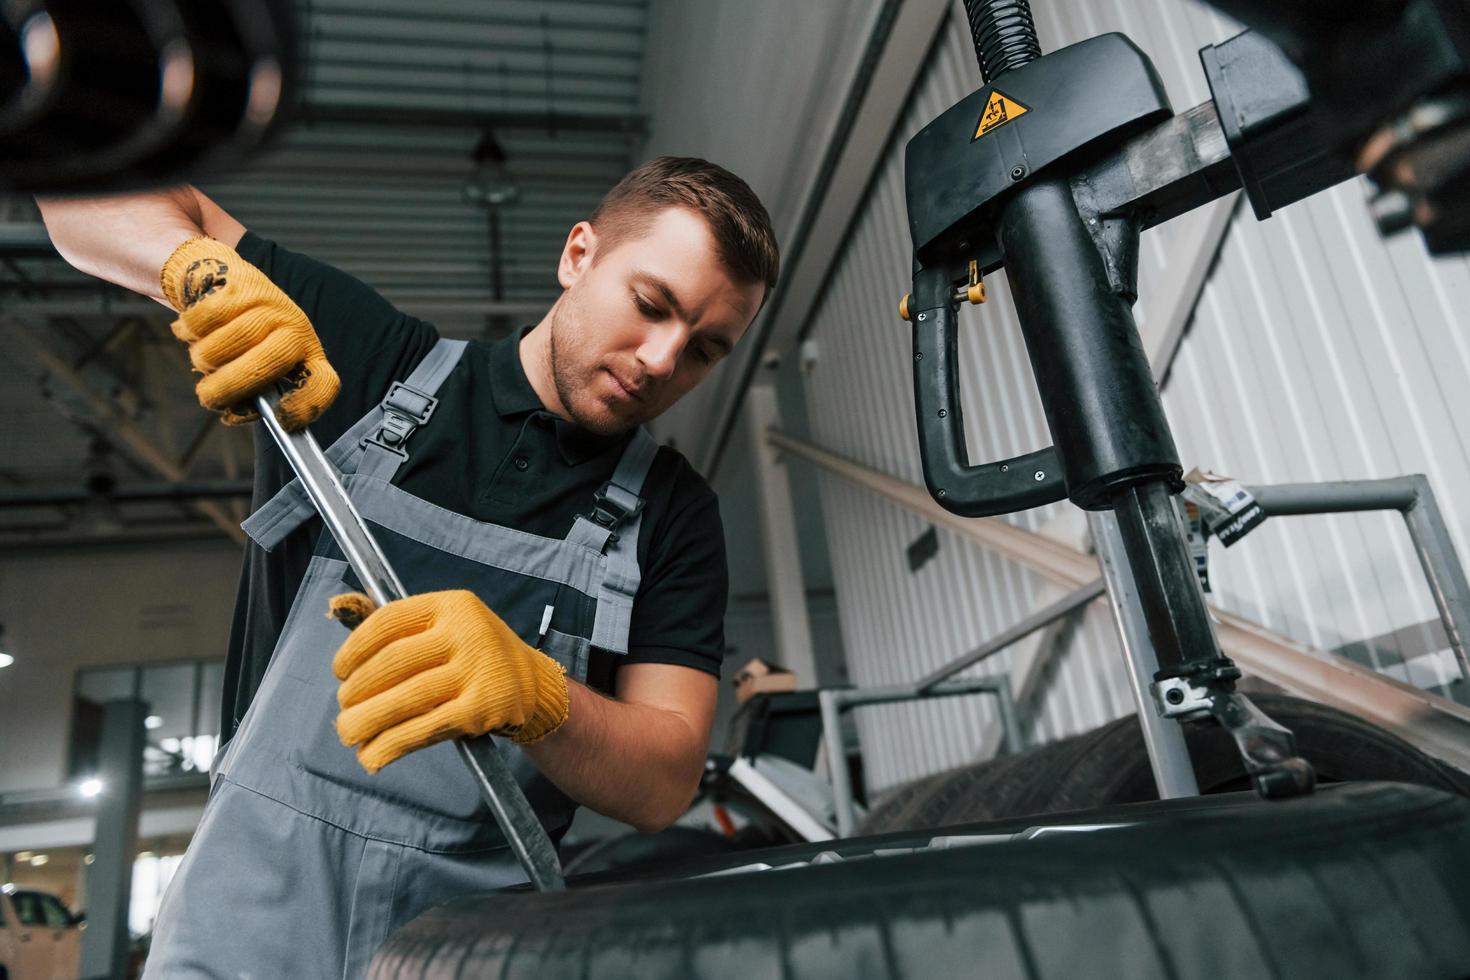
(568, 576)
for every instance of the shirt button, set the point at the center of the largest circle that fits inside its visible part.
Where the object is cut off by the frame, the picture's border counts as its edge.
(522, 463)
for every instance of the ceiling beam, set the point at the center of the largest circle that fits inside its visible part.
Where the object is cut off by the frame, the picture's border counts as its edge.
(432, 117)
(118, 430)
(51, 537)
(92, 301)
(124, 493)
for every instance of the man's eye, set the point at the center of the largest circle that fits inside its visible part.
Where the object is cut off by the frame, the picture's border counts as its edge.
(645, 307)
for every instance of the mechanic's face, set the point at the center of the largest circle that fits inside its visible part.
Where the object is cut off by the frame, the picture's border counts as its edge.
(641, 324)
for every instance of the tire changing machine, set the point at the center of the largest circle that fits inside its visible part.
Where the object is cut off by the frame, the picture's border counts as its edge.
(1052, 170)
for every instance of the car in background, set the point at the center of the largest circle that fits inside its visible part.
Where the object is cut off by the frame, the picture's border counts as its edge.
(40, 938)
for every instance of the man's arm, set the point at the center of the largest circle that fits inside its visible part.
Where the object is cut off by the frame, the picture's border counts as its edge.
(638, 758)
(244, 333)
(126, 238)
(440, 665)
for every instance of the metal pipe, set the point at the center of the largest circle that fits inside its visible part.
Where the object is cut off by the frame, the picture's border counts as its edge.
(1073, 600)
(523, 831)
(1442, 570)
(1012, 737)
(836, 760)
(1412, 497)
(1168, 755)
(1341, 497)
(853, 697)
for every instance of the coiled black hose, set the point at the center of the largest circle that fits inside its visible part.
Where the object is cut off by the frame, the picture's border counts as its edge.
(1004, 33)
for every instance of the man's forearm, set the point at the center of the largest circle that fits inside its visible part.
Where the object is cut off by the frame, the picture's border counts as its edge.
(632, 762)
(126, 238)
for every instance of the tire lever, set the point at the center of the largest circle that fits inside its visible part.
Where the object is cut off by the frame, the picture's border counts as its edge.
(518, 822)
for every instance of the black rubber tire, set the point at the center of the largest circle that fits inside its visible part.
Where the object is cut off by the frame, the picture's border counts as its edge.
(1109, 765)
(1364, 880)
(984, 792)
(889, 812)
(644, 850)
(990, 790)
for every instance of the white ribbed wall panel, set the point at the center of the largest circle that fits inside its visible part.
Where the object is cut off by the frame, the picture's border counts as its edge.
(1347, 344)
(1320, 352)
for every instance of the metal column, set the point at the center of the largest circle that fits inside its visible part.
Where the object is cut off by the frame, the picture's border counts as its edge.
(110, 878)
(785, 583)
(837, 771)
(1162, 737)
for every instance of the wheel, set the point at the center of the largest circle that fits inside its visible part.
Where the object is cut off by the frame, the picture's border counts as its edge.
(1363, 880)
(642, 850)
(1110, 765)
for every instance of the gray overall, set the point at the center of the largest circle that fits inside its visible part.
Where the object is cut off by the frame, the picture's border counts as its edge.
(303, 863)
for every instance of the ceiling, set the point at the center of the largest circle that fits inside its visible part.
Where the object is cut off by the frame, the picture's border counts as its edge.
(441, 153)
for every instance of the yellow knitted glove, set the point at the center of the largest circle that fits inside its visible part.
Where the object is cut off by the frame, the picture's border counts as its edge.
(436, 666)
(244, 335)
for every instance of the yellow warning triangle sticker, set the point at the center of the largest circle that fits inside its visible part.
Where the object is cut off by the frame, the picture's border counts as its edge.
(999, 110)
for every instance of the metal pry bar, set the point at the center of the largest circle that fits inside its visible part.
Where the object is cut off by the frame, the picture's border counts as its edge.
(498, 788)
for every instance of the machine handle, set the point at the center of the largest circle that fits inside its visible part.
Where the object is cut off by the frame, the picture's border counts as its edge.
(1002, 487)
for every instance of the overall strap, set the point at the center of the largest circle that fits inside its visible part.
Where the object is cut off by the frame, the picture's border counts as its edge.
(612, 528)
(372, 445)
(407, 406)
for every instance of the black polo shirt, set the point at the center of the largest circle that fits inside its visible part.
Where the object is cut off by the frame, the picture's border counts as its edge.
(491, 452)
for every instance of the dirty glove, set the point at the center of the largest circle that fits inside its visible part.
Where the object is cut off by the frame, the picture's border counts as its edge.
(244, 334)
(436, 666)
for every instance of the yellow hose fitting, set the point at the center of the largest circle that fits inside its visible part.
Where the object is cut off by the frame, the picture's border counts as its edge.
(976, 292)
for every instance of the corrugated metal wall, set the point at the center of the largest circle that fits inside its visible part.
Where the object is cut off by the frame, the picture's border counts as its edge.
(1320, 352)
(1317, 353)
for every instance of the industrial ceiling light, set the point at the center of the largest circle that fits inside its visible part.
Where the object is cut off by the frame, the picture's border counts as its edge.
(5, 659)
(152, 722)
(98, 513)
(39, 859)
(91, 786)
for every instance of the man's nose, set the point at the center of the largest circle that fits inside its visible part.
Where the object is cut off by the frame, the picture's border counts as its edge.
(660, 350)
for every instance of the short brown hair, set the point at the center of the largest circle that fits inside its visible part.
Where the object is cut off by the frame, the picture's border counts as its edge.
(735, 216)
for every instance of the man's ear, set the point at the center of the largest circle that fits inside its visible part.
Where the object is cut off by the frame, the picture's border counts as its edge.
(576, 254)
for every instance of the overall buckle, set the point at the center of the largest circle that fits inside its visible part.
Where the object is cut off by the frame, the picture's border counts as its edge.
(612, 506)
(404, 410)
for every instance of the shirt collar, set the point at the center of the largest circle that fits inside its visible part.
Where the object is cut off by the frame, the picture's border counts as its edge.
(513, 396)
(510, 389)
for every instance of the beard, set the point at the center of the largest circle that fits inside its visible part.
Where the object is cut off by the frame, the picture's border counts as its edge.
(569, 375)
